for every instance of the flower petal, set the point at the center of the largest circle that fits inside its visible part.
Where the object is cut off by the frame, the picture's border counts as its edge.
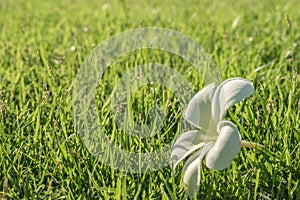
(199, 154)
(198, 112)
(229, 92)
(191, 178)
(187, 143)
(192, 168)
(226, 147)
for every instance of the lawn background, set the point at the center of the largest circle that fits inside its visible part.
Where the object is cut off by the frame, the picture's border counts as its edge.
(43, 43)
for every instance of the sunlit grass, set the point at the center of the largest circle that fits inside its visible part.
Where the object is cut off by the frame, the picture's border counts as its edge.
(42, 45)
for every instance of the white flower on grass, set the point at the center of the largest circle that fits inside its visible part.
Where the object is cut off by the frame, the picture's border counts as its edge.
(216, 139)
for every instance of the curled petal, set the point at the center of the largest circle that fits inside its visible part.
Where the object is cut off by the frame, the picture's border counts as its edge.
(198, 112)
(226, 147)
(192, 168)
(227, 94)
(191, 178)
(187, 143)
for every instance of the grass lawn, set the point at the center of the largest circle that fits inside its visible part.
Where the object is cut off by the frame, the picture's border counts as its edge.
(42, 47)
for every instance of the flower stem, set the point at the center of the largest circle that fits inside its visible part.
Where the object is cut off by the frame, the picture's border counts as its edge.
(252, 145)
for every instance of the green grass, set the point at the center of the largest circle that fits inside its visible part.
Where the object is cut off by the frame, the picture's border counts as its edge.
(41, 156)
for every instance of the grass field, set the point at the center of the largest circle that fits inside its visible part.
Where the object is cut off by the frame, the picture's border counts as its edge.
(42, 46)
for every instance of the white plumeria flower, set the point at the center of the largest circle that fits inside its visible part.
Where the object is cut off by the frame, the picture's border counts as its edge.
(216, 139)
